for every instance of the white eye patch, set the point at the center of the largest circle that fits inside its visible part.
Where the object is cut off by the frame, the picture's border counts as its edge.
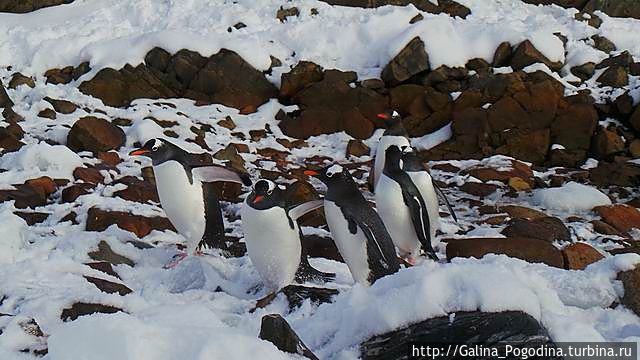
(334, 169)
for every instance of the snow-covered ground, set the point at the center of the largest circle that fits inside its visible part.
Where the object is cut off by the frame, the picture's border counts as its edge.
(179, 314)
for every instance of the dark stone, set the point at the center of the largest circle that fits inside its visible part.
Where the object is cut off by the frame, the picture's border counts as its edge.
(444, 6)
(61, 106)
(104, 253)
(302, 75)
(137, 190)
(5, 101)
(411, 60)
(18, 79)
(277, 331)
(614, 76)
(296, 294)
(95, 134)
(578, 256)
(71, 193)
(108, 287)
(502, 56)
(631, 283)
(603, 44)
(526, 54)
(317, 246)
(48, 113)
(584, 71)
(100, 220)
(103, 266)
(531, 250)
(32, 218)
(618, 8)
(624, 59)
(546, 228)
(605, 143)
(283, 13)
(494, 330)
(25, 6)
(620, 174)
(479, 189)
(80, 309)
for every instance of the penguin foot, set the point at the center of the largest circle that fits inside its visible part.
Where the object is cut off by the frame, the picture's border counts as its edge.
(407, 262)
(263, 302)
(175, 260)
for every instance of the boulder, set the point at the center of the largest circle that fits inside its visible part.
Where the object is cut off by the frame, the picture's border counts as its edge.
(25, 6)
(544, 228)
(100, 220)
(531, 250)
(302, 75)
(502, 55)
(137, 190)
(276, 330)
(296, 294)
(104, 253)
(411, 60)
(5, 101)
(526, 54)
(18, 79)
(71, 193)
(631, 283)
(603, 44)
(357, 148)
(108, 287)
(622, 217)
(584, 71)
(605, 143)
(620, 174)
(442, 6)
(81, 308)
(61, 106)
(635, 119)
(574, 127)
(618, 8)
(9, 141)
(486, 330)
(615, 76)
(95, 134)
(578, 256)
(479, 189)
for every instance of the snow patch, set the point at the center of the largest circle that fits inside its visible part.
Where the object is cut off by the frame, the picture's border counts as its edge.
(572, 196)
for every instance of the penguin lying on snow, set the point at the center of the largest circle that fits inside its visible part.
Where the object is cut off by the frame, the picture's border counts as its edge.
(187, 195)
(356, 228)
(408, 204)
(273, 239)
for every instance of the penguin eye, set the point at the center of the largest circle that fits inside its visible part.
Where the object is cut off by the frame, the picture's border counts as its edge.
(269, 192)
(155, 147)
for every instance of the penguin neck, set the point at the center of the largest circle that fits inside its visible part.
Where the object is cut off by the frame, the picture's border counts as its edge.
(343, 192)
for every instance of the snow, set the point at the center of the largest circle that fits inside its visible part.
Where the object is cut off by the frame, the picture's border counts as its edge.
(429, 141)
(12, 234)
(143, 130)
(572, 196)
(35, 160)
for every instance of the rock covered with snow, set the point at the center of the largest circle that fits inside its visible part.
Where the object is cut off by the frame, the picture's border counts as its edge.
(571, 197)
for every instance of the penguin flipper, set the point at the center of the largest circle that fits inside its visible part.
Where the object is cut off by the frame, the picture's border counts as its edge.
(444, 198)
(420, 221)
(302, 209)
(214, 228)
(218, 173)
(306, 272)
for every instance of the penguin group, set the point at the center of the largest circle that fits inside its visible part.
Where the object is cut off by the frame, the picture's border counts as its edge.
(406, 216)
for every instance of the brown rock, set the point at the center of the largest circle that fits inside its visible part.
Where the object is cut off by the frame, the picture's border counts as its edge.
(88, 175)
(584, 71)
(109, 158)
(80, 309)
(518, 169)
(100, 220)
(411, 60)
(357, 148)
(283, 13)
(603, 44)
(47, 114)
(544, 228)
(521, 212)
(302, 75)
(276, 330)
(602, 227)
(25, 6)
(479, 189)
(18, 79)
(531, 250)
(574, 126)
(62, 106)
(108, 287)
(606, 143)
(104, 267)
(614, 76)
(502, 56)
(32, 218)
(631, 284)
(137, 190)
(104, 253)
(71, 193)
(578, 256)
(227, 123)
(635, 119)
(634, 148)
(526, 54)
(622, 217)
(619, 8)
(5, 101)
(620, 174)
(95, 134)
(519, 184)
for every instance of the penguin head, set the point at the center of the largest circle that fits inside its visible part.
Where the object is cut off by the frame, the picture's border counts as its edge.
(393, 122)
(159, 150)
(265, 194)
(331, 174)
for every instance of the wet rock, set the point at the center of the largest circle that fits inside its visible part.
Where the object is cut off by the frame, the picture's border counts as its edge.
(528, 249)
(104, 253)
(296, 294)
(474, 327)
(302, 75)
(80, 309)
(108, 287)
(18, 79)
(277, 331)
(614, 76)
(578, 256)
(283, 13)
(357, 148)
(584, 71)
(526, 54)
(606, 143)
(631, 283)
(622, 217)
(100, 220)
(411, 60)
(544, 228)
(62, 106)
(95, 135)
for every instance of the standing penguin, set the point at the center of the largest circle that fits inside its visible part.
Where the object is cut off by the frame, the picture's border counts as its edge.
(395, 134)
(356, 228)
(187, 196)
(408, 205)
(273, 239)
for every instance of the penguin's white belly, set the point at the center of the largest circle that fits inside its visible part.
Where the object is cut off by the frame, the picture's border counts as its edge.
(352, 247)
(424, 183)
(396, 216)
(273, 246)
(384, 143)
(181, 201)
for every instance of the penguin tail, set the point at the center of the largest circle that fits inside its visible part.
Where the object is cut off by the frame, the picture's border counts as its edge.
(306, 272)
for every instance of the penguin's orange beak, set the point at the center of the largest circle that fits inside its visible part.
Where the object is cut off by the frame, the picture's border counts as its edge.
(310, 172)
(258, 199)
(383, 116)
(139, 152)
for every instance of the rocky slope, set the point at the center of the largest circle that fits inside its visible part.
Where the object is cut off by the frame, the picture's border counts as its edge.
(536, 141)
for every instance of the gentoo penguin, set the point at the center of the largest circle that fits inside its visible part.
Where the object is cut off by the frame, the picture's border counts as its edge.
(356, 228)
(395, 134)
(408, 205)
(186, 194)
(272, 236)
